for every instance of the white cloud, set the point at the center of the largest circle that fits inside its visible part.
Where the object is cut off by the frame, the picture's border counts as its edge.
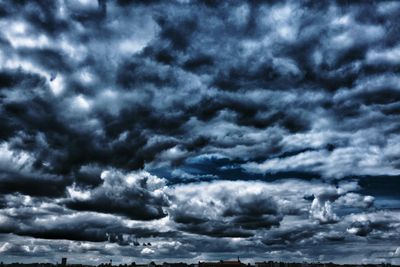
(147, 251)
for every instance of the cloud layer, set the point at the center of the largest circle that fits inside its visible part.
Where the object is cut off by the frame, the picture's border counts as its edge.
(202, 129)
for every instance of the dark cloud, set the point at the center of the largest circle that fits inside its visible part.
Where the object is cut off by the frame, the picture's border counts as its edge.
(39, 218)
(360, 228)
(144, 89)
(33, 185)
(218, 212)
(287, 236)
(135, 195)
(194, 124)
(218, 209)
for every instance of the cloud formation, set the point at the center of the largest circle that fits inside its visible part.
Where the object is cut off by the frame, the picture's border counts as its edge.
(135, 195)
(205, 128)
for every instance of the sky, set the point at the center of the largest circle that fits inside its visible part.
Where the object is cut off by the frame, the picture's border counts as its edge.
(202, 130)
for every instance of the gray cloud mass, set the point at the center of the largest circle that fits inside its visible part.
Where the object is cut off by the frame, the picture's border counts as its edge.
(204, 129)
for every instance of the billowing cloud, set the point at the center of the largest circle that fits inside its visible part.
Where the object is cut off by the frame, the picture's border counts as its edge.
(201, 129)
(220, 209)
(135, 195)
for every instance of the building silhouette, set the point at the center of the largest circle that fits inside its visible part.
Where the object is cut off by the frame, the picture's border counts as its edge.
(221, 263)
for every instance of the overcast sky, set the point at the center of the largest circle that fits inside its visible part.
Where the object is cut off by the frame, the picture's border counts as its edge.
(210, 129)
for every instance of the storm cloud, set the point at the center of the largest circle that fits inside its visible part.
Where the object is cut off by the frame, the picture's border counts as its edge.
(195, 130)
